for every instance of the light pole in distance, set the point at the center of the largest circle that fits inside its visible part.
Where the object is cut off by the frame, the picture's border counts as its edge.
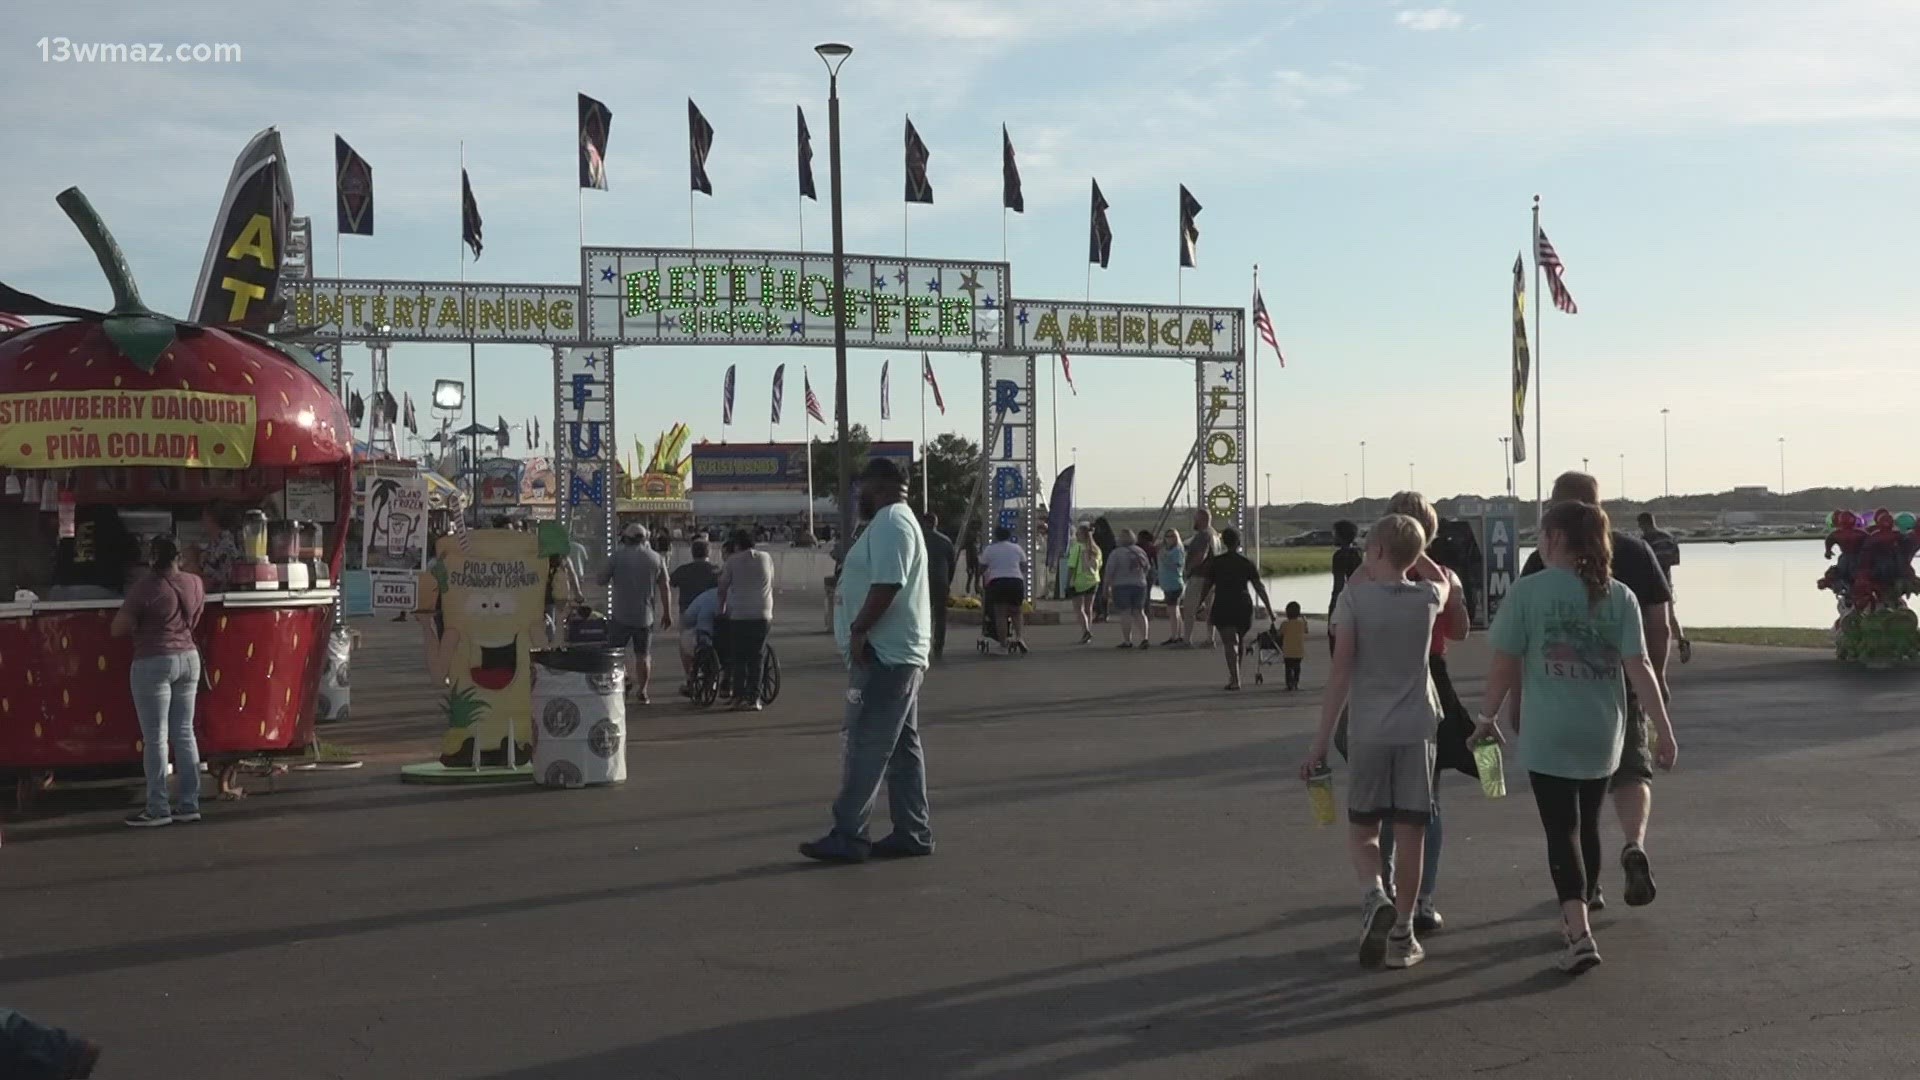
(1666, 460)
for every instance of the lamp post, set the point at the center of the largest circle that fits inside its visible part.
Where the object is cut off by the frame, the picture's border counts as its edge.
(833, 54)
(1346, 487)
(1363, 470)
(1783, 466)
(1666, 461)
(1411, 486)
(1623, 477)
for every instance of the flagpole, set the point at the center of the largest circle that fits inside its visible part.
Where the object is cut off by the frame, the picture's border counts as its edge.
(924, 476)
(806, 386)
(1539, 402)
(580, 213)
(1253, 429)
(690, 241)
(473, 367)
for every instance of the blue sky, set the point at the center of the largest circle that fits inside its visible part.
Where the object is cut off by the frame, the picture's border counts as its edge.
(1730, 185)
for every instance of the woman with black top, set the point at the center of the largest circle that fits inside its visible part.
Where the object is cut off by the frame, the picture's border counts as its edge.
(1229, 577)
(1104, 539)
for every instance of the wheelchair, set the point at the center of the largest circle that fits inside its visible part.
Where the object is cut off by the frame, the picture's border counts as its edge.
(710, 675)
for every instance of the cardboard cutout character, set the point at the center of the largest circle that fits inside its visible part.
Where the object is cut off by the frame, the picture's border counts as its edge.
(488, 587)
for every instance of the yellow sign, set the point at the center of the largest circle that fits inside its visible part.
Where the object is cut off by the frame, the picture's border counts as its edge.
(181, 428)
(489, 586)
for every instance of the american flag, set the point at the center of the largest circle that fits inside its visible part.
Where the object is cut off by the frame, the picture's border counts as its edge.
(1548, 260)
(1066, 368)
(12, 322)
(726, 398)
(1263, 322)
(813, 403)
(926, 372)
(779, 390)
(886, 390)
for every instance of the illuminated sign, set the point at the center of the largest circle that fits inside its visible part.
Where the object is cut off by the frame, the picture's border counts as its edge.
(662, 296)
(437, 310)
(771, 466)
(1080, 329)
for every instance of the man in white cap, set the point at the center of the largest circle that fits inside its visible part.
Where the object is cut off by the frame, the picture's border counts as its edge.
(640, 594)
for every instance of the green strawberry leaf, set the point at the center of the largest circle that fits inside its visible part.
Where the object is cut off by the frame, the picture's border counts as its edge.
(141, 338)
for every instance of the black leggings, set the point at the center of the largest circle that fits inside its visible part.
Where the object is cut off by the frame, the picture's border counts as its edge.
(1570, 813)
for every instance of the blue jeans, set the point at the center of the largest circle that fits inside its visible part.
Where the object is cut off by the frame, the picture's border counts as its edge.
(1429, 863)
(30, 1051)
(164, 688)
(881, 740)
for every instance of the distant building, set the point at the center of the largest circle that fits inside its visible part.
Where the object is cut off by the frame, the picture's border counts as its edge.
(1753, 491)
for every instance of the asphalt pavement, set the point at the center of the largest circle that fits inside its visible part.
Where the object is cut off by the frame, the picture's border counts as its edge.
(1128, 884)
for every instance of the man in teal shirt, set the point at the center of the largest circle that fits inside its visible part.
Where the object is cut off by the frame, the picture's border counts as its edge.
(883, 624)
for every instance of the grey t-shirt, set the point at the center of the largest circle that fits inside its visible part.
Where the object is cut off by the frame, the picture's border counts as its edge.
(636, 571)
(1393, 702)
(746, 584)
(1200, 548)
(1128, 565)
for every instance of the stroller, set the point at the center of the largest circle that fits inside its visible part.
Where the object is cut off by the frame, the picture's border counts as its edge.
(1264, 647)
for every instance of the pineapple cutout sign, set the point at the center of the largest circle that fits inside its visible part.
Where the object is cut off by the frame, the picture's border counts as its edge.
(489, 586)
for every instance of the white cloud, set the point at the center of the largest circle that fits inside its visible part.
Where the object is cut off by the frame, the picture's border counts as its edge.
(1439, 18)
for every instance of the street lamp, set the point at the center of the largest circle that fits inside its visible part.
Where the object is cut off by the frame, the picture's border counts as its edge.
(833, 54)
(1666, 464)
(1623, 478)
(1363, 469)
(1411, 486)
(1783, 466)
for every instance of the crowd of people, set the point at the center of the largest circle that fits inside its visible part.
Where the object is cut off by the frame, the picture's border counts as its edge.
(1578, 679)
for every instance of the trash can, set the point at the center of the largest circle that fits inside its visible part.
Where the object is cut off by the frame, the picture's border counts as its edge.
(336, 678)
(579, 717)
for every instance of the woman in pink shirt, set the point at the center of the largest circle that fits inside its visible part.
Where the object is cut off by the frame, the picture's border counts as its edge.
(161, 612)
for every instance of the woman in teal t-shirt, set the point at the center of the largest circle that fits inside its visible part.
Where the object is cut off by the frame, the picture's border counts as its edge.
(1564, 638)
(1173, 578)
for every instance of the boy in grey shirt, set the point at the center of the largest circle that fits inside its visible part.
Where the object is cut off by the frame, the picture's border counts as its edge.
(1384, 623)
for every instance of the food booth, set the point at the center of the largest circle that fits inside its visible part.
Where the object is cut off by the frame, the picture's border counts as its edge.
(117, 427)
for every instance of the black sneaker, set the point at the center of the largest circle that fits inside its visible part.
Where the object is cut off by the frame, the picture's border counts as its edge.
(895, 846)
(1640, 890)
(186, 817)
(835, 848)
(1596, 900)
(1425, 919)
(144, 820)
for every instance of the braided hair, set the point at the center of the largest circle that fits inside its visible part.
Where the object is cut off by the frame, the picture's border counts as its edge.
(1587, 537)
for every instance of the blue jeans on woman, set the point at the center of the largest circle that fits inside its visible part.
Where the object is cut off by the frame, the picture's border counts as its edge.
(164, 688)
(881, 732)
(30, 1051)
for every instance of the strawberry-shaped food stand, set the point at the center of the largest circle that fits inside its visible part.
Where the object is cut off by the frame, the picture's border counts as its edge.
(117, 426)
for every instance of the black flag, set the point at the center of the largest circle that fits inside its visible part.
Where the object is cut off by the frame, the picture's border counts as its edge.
(469, 216)
(352, 190)
(411, 420)
(1189, 232)
(806, 157)
(919, 188)
(596, 123)
(240, 277)
(1100, 238)
(356, 408)
(699, 144)
(1010, 196)
(501, 423)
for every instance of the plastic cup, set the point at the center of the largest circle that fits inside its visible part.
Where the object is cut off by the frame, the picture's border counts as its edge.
(1320, 794)
(1491, 765)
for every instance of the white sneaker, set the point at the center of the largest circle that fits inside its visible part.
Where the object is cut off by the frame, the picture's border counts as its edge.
(1403, 949)
(1376, 921)
(1581, 955)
